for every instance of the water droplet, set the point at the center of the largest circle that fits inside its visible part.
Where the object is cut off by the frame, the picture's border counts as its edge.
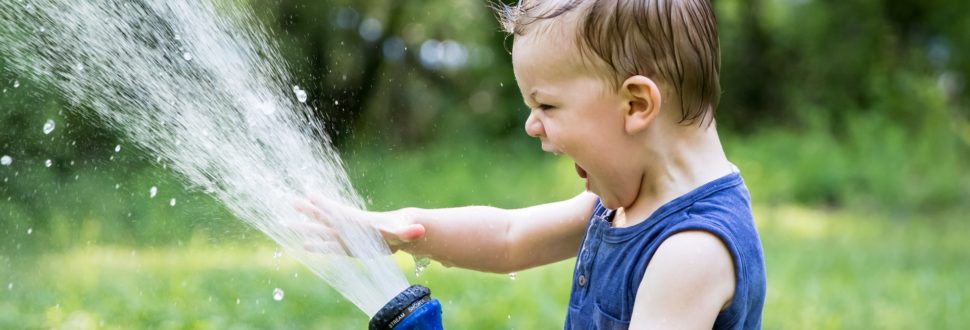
(178, 36)
(171, 202)
(152, 192)
(30, 231)
(117, 185)
(118, 148)
(335, 102)
(79, 67)
(10, 286)
(187, 56)
(501, 84)
(49, 126)
(48, 163)
(16, 83)
(277, 294)
(237, 301)
(512, 276)
(420, 263)
(277, 254)
(6, 160)
(300, 94)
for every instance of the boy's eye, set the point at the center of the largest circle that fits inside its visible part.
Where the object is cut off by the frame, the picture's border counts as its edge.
(545, 107)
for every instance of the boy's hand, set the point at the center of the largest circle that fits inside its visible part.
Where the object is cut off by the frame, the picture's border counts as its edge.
(396, 227)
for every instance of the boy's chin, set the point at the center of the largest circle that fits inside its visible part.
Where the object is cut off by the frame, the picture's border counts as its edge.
(607, 202)
(611, 202)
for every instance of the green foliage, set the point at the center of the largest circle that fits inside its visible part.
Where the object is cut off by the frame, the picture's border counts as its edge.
(866, 160)
(842, 58)
(873, 91)
(506, 173)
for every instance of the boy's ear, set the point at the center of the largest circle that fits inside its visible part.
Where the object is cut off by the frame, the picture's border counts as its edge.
(642, 97)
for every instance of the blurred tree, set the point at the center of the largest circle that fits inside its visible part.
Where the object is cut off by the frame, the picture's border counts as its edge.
(788, 62)
(403, 63)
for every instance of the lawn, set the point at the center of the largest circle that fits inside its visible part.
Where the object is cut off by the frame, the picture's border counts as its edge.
(192, 266)
(827, 270)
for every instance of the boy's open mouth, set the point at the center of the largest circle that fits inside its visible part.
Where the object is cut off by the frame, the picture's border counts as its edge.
(582, 174)
(580, 171)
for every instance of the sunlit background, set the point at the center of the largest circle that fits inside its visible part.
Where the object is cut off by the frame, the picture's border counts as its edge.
(850, 121)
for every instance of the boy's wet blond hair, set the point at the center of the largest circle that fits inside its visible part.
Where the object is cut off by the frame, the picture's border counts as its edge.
(674, 40)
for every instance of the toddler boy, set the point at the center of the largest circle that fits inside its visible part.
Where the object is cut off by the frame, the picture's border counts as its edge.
(663, 235)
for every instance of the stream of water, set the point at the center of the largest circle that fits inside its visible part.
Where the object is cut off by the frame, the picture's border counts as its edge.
(203, 87)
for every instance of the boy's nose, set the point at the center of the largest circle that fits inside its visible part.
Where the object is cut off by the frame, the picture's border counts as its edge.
(533, 126)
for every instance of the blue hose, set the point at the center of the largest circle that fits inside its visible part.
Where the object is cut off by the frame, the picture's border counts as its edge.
(412, 309)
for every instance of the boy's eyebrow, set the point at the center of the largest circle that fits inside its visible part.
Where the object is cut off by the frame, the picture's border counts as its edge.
(534, 93)
(532, 98)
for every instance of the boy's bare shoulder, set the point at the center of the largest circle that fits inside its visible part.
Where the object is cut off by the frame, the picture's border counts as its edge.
(689, 279)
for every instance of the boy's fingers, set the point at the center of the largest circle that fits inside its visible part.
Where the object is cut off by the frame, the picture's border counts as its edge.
(411, 232)
(308, 209)
(325, 210)
(312, 228)
(324, 203)
(402, 234)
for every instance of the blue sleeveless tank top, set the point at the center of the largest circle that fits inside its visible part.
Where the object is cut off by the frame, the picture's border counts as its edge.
(611, 261)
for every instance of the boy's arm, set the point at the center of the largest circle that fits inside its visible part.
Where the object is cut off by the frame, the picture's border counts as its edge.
(689, 280)
(499, 240)
(478, 237)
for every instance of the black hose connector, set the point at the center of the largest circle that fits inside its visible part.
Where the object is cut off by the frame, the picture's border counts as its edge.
(413, 300)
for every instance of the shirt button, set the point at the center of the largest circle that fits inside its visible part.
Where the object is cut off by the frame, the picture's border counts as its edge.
(582, 280)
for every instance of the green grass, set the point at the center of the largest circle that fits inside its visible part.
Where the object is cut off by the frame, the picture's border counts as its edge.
(101, 257)
(827, 270)
(842, 269)
(195, 286)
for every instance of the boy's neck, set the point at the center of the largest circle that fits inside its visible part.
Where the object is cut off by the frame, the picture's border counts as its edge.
(683, 159)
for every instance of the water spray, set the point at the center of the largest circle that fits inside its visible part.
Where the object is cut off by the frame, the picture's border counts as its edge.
(204, 89)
